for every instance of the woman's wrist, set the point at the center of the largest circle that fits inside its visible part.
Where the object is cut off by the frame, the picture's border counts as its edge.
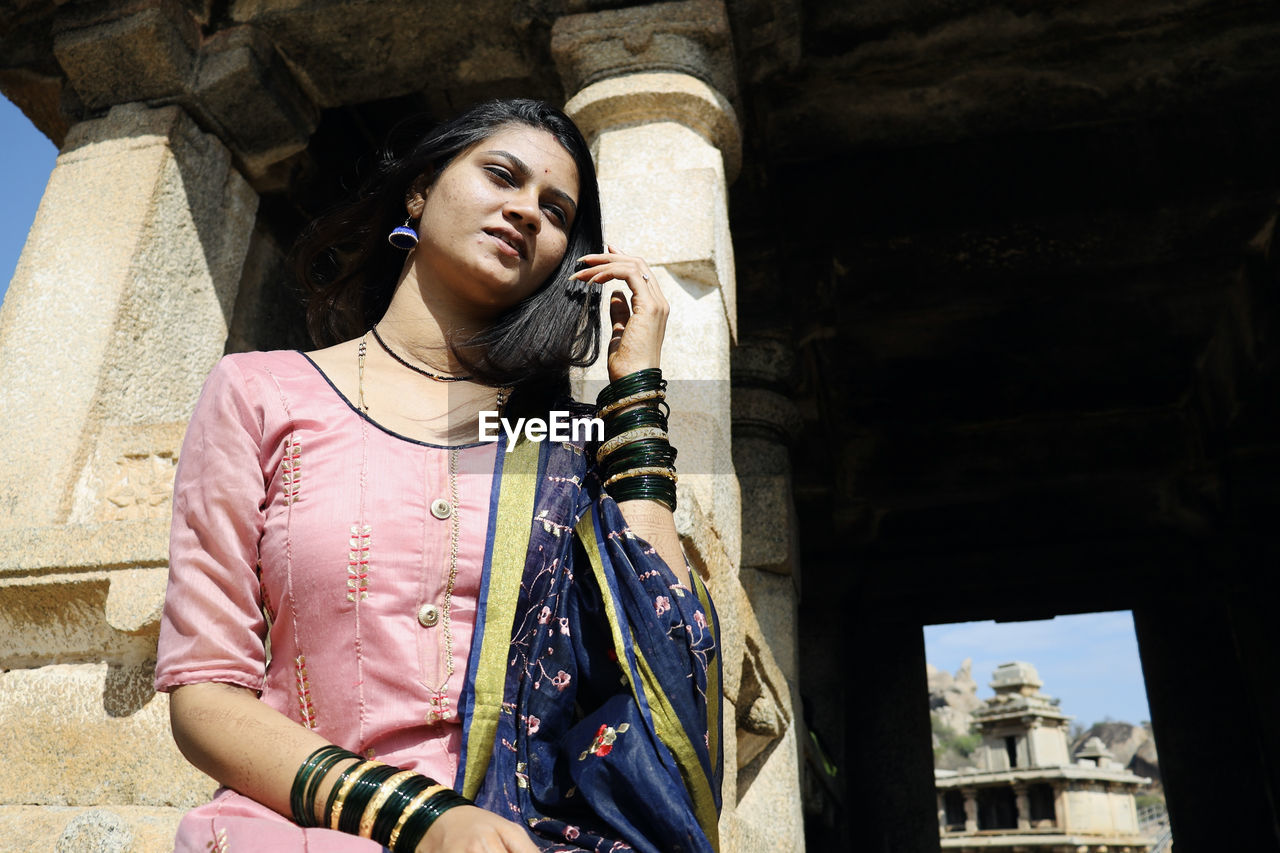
(390, 805)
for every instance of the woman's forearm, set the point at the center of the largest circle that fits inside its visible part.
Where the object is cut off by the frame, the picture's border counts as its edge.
(245, 744)
(242, 742)
(655, 524)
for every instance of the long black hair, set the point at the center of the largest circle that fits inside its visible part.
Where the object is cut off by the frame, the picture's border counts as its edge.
(349, 271)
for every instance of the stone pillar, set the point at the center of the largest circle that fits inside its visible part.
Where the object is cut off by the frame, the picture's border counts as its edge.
(652, 87)
(1033, 758)
(118, 309)
(942, 814)
(765, 422)
(666, 146)
(1024, 806)
(970, 809)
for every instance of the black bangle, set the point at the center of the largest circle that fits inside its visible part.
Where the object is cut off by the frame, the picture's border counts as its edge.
(306, 780)
(645, 487)
(649, 379)
(420, 821)
(333, 792)
(639, 454)
(361, 792)
(396, 804)
(618, 424)
(313, 788)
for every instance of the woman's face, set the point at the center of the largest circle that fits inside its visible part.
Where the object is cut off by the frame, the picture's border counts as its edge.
(495, 223)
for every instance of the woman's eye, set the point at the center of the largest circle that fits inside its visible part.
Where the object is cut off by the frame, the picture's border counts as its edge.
(501, 174)
(556, 213)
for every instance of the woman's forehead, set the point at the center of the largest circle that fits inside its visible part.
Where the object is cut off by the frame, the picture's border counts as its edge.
(535, 148)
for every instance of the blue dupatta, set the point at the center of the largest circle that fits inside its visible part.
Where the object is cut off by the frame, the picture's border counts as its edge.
(592, 704)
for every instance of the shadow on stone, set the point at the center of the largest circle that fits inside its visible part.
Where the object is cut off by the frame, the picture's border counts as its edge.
(128, 688)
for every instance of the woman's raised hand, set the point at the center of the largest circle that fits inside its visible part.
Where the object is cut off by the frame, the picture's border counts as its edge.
(638, 328)
(471, 829)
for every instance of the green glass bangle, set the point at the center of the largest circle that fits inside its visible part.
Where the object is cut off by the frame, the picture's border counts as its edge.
(632, 383)
(313, 786)
(618, 424)
(333, 792)
(420, 821)
(641, 445)
(655, 452)
(396, 804)
(649, 379)
(302, 779)
(644, 487)
(361, 793)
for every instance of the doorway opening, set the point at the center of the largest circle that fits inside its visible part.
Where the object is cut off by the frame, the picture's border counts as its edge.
(1041, 728)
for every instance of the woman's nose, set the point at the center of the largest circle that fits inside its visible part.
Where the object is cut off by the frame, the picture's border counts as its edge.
(523, 212)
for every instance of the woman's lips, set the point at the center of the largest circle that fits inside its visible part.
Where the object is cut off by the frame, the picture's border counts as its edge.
(505, 244)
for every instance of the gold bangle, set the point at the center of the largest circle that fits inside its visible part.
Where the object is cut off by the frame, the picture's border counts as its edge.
(346, 789)
(627, 401)
(385, 790)
(638, 472)
(637, 434)
(414, 805)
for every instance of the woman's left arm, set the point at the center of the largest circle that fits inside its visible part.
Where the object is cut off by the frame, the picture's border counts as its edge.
(635, 343)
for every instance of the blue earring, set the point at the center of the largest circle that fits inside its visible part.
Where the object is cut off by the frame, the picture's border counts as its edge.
(403, 237)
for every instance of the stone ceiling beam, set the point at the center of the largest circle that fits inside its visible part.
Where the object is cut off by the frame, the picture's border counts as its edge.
(116, 54)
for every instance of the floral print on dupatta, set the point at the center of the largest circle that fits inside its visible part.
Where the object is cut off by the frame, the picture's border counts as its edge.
(603, 741)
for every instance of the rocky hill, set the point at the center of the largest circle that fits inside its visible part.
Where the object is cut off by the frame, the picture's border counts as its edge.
(1133, 746)
(952, 701)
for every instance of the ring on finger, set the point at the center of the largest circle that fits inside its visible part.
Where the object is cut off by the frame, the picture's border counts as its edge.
(644, 276)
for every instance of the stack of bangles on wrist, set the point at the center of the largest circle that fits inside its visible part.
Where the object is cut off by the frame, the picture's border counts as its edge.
(636, 460)
(391, 806)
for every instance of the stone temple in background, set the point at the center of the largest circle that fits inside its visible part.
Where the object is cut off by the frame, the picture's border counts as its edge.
(1026, 794)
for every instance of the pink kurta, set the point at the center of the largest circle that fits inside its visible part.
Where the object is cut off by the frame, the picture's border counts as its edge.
(298, 519)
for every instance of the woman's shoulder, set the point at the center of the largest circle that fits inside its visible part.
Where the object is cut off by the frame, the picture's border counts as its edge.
(249, 378)
(284, 361)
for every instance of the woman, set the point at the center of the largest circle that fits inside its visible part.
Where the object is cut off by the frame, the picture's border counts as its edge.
(368, 608)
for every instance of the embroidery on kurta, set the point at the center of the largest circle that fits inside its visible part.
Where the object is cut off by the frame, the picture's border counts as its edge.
(358, 562)
(306, 709)
(291, 469)
(219, 844)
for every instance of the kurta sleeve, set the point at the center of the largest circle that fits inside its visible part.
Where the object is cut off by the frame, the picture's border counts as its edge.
(212, 628)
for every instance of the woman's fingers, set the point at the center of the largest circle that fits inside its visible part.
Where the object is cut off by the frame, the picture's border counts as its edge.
(619, 314)
(638, 324)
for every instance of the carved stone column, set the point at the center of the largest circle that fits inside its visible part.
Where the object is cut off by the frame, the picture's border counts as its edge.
(652, 89)
(117, 311)
(1024, 806)
(666, 145)
(970, 809)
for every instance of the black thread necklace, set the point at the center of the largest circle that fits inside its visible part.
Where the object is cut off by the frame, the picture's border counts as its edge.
(436, 376)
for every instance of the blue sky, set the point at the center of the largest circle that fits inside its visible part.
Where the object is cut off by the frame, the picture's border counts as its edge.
(1089, 661)
(26, 159)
